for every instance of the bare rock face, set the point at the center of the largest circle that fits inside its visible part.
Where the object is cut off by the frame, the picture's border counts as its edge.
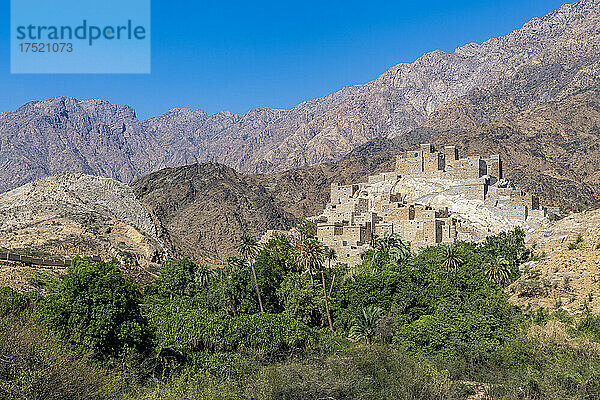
(66, 135)
(548, 59)
(76, 214)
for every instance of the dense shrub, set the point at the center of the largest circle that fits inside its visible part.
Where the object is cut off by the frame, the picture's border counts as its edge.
(190, 329)
(98, 309)
(176, 278)
(432, 325)
(15, 303)
(454, 333)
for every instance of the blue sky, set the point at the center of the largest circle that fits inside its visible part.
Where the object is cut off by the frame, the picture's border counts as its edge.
(241, 55)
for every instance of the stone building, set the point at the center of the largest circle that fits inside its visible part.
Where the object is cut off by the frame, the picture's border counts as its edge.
(387, 204)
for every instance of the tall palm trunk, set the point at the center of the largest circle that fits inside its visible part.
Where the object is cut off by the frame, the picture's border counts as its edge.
(312, 282)
(331, 287)
(326, 301)
(257, 290)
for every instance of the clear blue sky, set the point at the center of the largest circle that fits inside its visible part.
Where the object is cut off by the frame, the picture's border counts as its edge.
(241, 55)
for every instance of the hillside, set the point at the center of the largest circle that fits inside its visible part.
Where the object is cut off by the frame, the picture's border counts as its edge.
(564, 278)
(205, 208)
(74, 214)
(546, 60)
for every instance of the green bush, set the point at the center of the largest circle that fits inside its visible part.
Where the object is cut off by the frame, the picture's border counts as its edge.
(302, 300)
(541, 316)
(589, 325)
(189, 329)
(98, 309)
(15, 303)
(578, 243)
(452, 332)
(176, 278)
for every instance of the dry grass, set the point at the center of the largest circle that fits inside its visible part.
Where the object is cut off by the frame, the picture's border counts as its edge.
(34, 364)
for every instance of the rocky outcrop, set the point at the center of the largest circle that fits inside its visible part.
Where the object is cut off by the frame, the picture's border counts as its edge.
(567, 275)
(75, 214)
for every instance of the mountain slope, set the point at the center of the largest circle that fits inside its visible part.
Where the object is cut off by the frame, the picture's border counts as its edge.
(404, 97)
(65, 135)
(75, 214)
(565, 278)
(205, 208)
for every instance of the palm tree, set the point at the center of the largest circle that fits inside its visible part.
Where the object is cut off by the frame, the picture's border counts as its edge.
(400, 253)
(326, 300)
(365, 324)
(498, 271)
(451, 258)
(374, 239)
(312, 254)
(203, 275)
(248, 249)
(391, 246)
(306, 228)
(331, 255)
(233, 267)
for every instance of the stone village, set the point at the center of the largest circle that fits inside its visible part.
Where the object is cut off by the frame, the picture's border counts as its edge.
(387, 204)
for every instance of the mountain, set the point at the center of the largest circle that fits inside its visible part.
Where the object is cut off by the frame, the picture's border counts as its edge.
(74, 214)
(205, 208)
(549, 59)
(65, 135)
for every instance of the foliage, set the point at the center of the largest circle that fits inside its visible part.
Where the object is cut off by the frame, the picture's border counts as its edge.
(37, 364)
(453, 332)
(306, 228)
(364, 325)
(302, 300)
(13, 303)
(187, 328)
(176, 278)
(589, 326)
(578, 244)
(387, 249)
(499, 271)
(451, 258)
(98, 309)
(541, 316)
(361, 373)
(438, 325)
(310, 255)
(248, 249)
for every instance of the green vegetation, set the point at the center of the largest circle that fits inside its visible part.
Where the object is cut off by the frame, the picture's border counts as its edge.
(577, 244)
(98, 310)
(431, 325)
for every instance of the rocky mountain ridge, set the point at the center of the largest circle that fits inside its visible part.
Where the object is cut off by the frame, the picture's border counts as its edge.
(205, 208)
(547, 58)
